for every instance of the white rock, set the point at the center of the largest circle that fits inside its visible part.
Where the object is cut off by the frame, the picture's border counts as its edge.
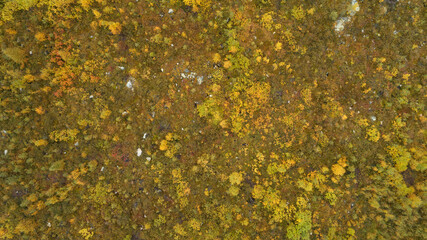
(200, 80)
(339, 24)
(356, 9)
(129, 84)
(170, 10)
(5, 152)
(138, 152)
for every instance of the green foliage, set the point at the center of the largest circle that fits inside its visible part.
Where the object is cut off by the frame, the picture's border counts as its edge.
(64, 135)
(15, 54)
(307, 186)
(298, 13)
(331, 197)
(400, 157)
(100, 193)
(10, 7)
(235, 178)
(302, 228)
(211, 109)
(57, 166)
(233, 191)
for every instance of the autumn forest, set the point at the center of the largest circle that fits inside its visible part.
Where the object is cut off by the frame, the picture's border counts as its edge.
(204, 119)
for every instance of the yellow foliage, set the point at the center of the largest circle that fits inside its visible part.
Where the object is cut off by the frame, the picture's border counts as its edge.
(233, 191)
(306, 93)
(63, 135)
(196, 4)
(85, 232)
(235, 178)
(179, 229)
(194, 224)
(32, 197)
(278, 46)
(416, 201)
(105, 113)
(258, 192)
(11, 31)
(85, 3)
(134, 72)
(267, 20)
(338, 170)
(233, 49)
(215, 87)
(343, 162)
(163, 145)
(169, 137)
(298, 13)
(115, 28)
(227, 64)
(406, 76)
(271, 199)
(363, 122)
(40, 36)
(373, 134)
(398, 123)
(40, 142)
(400, 156)
(96, 13)
(25, 226)
(216, 58)
(223, 124)
(306, 185)
(39, 110)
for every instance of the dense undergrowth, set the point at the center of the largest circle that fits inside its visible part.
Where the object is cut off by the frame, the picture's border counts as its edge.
(193, 119)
